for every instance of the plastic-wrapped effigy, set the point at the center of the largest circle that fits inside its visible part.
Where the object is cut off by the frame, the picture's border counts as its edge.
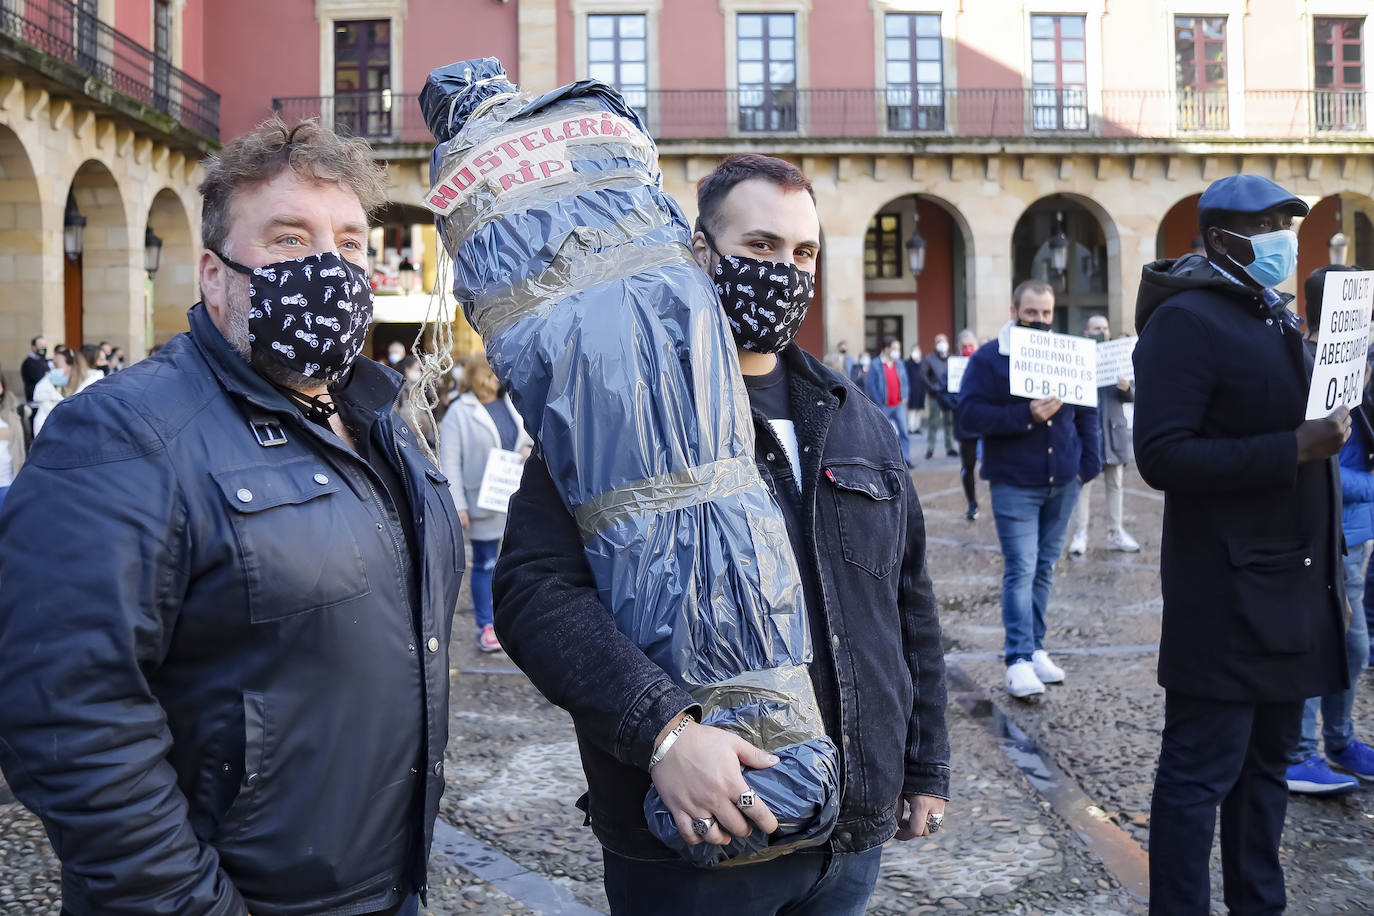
(574, 267)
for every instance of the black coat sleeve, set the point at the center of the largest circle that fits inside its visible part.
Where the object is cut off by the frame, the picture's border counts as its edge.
(927, 736)
(1175, 381)
(552, 623)
(92, 570)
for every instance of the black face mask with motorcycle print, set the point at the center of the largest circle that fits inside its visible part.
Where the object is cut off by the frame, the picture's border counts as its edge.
(764, 301)
(308, 314)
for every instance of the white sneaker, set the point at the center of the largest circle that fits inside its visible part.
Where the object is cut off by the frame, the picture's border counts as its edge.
(1120, 540)
(1079, 545)
(1021, 680)
(1046, 670)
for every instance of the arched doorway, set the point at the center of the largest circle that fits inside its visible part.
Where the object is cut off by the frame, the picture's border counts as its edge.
(1070, 243)
(913, 309)
(103, 292)
(21, 250)
(174, 284)
(1178, 230)
(1346, 213)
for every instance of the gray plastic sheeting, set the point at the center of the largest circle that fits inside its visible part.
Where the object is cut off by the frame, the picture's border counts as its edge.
(574, 267)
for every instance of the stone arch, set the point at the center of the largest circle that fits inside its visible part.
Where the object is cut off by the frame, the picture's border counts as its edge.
(1345, 212)
(21, 251)
(935, 302)
(174, 285)
(104, 286)
(1178, 229)
(1090, 283)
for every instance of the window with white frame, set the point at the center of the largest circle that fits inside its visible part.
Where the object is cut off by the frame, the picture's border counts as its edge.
(766, 61)
(1338, 56)
(915, 72)
(617, 54)
(1200, 72)
(1059, 73)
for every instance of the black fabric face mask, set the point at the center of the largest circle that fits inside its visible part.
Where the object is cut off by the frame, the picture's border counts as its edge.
(764, 301)
(308, 314)
(1035, 325)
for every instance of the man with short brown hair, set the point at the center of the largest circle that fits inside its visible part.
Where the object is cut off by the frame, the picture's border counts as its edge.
(1036, 457)
(242, 656)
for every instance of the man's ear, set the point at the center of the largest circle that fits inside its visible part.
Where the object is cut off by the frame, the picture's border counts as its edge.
(701, 252)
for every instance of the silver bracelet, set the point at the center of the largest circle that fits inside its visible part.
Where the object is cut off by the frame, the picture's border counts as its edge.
(669, 740)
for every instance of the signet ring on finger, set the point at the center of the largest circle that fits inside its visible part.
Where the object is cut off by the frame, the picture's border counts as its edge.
(702, 825)
(934, 822)
(746, 799)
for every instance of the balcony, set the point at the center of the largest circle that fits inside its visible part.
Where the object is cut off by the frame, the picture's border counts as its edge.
(62, 32)
(867, 114)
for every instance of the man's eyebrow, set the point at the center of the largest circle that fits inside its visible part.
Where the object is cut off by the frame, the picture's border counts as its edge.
(768, 236)
(288, 222)
(354, 229)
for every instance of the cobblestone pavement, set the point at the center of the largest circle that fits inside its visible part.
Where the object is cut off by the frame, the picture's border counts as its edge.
(513, 770)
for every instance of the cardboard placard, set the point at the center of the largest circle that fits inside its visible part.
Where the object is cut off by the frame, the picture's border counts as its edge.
(500, 480)
(1047, 365)
(957, 366)
(1114, 361)
(1342, 343)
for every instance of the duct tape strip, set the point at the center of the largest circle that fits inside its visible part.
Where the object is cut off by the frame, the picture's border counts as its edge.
(574, 269)
(665, 493)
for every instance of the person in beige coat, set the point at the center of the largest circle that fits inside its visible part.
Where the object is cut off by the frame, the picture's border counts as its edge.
(475, 424)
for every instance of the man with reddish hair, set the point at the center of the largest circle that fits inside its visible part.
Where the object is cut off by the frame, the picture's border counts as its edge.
(832, 460)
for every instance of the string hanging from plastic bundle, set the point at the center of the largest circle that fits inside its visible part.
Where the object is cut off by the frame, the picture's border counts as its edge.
(417, 404)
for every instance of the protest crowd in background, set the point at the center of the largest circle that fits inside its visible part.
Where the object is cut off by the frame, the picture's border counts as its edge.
(244, 485)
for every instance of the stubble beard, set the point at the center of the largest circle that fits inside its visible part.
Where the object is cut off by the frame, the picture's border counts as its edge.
(264, 364)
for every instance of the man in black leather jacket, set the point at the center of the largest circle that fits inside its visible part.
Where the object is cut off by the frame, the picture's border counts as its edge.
(226, 672)
(832, 460)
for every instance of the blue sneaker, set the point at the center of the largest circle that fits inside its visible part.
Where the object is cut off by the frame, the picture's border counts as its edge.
(1314, 777)
(1357, 759)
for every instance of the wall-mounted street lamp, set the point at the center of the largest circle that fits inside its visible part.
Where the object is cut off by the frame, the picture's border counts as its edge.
(73, 229)
(1059, 246)
(152, 251)
(1338, 248)
(916, 251)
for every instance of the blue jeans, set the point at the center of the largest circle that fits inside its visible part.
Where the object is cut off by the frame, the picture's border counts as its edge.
(1032, 524)
(898, 417)
(807, 883)
(483, 567)
(1338, 726)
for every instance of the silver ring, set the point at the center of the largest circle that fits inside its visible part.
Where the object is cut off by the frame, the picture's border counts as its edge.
(934, 822)
(746, 799)
(702, 825)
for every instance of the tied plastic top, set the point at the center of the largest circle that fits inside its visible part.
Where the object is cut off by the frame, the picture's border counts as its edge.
(451, 94)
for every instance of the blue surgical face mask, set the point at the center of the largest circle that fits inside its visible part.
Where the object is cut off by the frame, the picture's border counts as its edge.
(58, 378)
(1276, 256)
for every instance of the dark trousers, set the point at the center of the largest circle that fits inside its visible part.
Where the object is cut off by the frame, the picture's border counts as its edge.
(968, 459)
(801, 884)
(1232, 755)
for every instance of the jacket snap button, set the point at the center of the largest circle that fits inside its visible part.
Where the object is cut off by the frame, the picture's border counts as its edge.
(835, 641)
(439, 768)
(1307, 561)
(1049, 422)
(321, 479)
(1268, 321)
(1051, 449)
(806, 448)
(404, 430)
(433, 644)
(245, 495)
(769, 456)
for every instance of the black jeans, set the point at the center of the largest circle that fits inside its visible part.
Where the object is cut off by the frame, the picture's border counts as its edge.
(1232, 755)
(968, 460)
(801, 884)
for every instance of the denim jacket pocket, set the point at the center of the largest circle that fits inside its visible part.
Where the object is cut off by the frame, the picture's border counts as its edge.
(869, 507)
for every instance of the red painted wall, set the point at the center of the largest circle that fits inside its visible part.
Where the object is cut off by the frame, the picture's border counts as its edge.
(1178, 229)
(439, 32)
(1313, 237)
(135, 19)
(935, 286)
(835, 25)
(567, 53)
(691, 45)
(193, 40)
(239, 48)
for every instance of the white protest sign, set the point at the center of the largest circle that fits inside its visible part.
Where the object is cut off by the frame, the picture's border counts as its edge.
(1338, 376)
(500, 480)
(957, 365)
(1046, 365)
(1114, 361)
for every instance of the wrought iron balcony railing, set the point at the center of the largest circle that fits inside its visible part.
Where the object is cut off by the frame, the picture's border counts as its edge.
(70, 33)
(707, 114)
